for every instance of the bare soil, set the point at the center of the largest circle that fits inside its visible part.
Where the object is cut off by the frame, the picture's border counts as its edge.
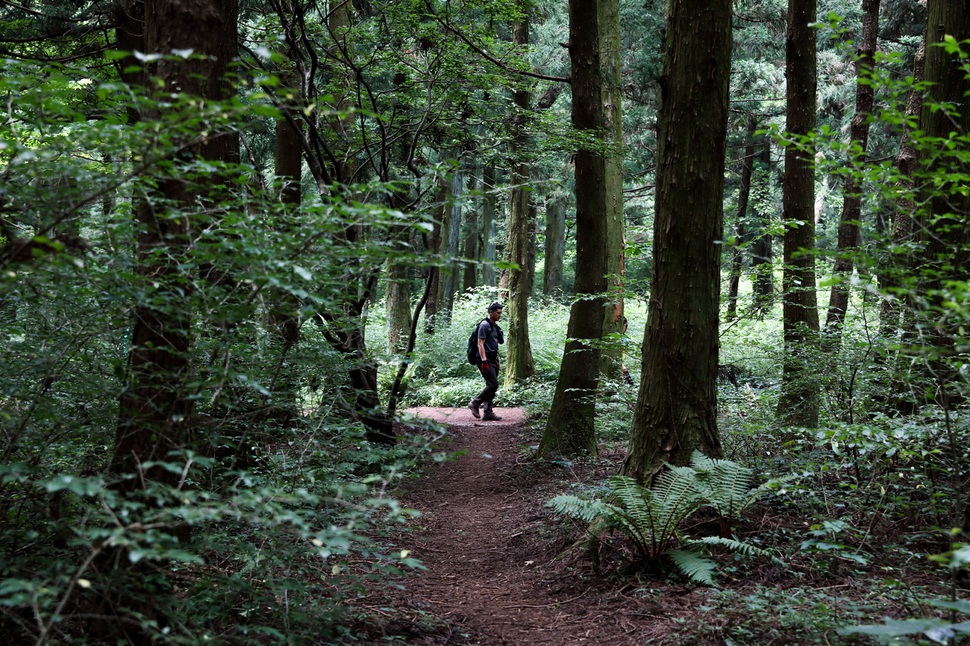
(500, 569)
(503, 570)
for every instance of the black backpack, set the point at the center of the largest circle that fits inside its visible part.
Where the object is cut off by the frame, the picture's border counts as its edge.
(471, 352)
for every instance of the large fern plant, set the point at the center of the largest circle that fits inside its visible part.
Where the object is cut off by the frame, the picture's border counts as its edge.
(652, 517)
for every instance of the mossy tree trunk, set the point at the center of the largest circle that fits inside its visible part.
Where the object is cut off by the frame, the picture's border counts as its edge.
(612, 89)
(519, 364)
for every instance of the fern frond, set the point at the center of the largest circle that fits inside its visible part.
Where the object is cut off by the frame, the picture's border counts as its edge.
(725, 485)
(673, 498)
(637, 519)
(580, 509)
(736, 546)
(696, 567)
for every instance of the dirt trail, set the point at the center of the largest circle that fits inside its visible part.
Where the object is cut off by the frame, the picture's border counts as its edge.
(497, 569)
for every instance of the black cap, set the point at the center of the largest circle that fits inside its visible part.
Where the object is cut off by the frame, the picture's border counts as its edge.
(494, 306)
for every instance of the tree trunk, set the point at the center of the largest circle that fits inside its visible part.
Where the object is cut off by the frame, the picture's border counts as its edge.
(676, 405)
(284, 308)
(611, 357)
(555, 248)
(852, 198)
(762, 256)
(519, 364)
(434, 245)
(470, 251)
(451, 241)
(799, 401)
(488, 226)
(902, 220)
(570, 428)
(944, 220)
(154, 407)
(398, 306)
(744, 191)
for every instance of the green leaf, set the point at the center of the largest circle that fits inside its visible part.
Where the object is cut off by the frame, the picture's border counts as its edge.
(695, 567)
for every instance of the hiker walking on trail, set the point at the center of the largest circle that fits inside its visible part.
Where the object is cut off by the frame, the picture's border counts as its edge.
(489, 337)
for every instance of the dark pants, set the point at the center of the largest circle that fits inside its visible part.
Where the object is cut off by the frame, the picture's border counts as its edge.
(491, 384)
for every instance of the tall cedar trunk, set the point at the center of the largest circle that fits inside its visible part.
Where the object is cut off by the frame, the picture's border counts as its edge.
(890, 281)
(469, 252)
(398, 306)
(610, 59)
(852, 196)
(555, 248)
(519, 364)
(570, 428)
(762, 256)
(343, 122)
(488, 225)
(945, 222)
(799, 401)
(894, 387)
(434, 246)
(744, 191)
(945, 225)
(451, 240)
(285, 308)
(676, 405)
(154, 407)
(398, 287)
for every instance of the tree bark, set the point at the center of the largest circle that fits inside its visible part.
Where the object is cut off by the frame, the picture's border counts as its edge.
(894, 300)
(155, 407)
(799, 401)
(849, 223)
(611, 358)
(762, 256)
(451, 242)
(398, 306)
(488, 226)
(470, 251)
(555, 248)
(519, 363)
(944, 221)
(744, 191)
(434, 246)
(676, 404)
(570, 428)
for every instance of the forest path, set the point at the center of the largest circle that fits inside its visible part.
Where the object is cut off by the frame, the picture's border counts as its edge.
(498, 571)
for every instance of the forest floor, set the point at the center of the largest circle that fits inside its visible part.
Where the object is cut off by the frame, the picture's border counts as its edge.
(501, 569)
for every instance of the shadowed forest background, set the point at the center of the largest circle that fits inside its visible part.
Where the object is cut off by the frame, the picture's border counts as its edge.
(238, 238)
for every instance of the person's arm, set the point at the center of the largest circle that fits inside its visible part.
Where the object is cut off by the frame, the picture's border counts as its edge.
(481, 349)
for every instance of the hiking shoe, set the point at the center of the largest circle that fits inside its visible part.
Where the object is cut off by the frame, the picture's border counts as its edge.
(473, 407)
(491, 417)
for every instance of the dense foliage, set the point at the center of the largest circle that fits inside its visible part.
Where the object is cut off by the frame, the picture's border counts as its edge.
(268, 511)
